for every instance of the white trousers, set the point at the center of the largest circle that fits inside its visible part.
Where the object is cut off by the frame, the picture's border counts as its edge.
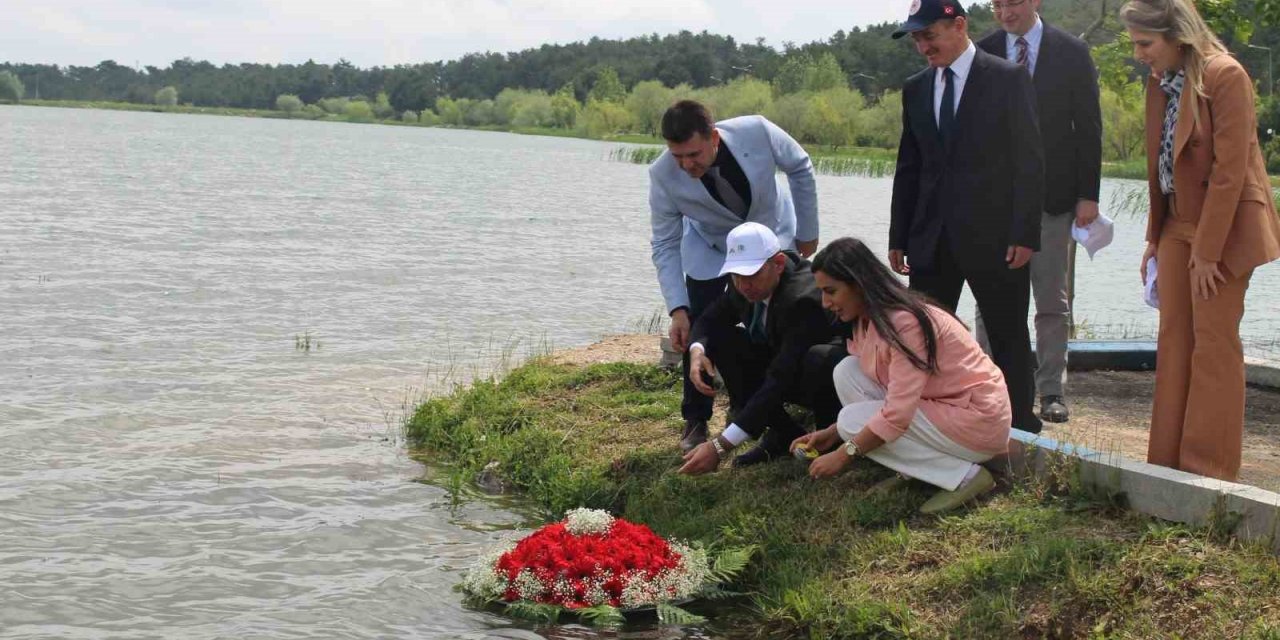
(923, 452)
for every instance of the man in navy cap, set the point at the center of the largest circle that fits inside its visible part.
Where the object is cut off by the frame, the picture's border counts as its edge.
(968, 190)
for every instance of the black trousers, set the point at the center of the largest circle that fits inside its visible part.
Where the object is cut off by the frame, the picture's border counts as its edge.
(694, 405)
(743, 365)
(1003, 296)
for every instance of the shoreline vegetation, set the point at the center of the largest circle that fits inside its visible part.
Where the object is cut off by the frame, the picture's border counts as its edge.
(872, 162)
(1039, 559)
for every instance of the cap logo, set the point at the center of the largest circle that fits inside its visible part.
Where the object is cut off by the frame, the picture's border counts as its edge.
(915, 7)
(949, 10)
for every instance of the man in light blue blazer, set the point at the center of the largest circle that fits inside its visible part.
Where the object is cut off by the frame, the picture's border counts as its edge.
(713, 177)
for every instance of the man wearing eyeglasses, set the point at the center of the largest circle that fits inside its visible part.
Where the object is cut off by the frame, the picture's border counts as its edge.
(1066, 86)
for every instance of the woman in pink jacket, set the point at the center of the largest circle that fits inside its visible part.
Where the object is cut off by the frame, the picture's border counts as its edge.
(919, 394)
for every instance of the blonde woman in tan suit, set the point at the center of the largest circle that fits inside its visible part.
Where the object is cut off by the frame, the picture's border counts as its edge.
(1212, 221)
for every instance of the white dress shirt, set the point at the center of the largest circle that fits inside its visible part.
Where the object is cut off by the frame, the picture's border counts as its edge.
(1034, 37)
(960, 68)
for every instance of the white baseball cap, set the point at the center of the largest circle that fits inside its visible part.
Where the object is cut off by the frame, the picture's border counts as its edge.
(749, 245)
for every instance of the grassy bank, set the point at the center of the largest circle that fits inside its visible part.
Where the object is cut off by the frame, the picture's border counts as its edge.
(1026, 563)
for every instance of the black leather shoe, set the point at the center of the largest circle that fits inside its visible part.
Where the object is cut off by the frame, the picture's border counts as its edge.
(769, 448)
(695, 433)
(1054, 409)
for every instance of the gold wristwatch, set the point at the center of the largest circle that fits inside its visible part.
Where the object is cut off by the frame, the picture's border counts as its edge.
(851, 449)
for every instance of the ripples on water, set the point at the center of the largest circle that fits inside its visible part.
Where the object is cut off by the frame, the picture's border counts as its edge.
(170, 463)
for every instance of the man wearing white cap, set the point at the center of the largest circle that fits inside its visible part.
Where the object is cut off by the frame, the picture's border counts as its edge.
(772, 343)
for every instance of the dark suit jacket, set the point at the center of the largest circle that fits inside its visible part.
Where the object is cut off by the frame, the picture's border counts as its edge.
(1066, 83)
(985, 185)
(795, 322)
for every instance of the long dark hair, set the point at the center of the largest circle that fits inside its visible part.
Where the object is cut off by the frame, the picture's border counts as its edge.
(851, 262)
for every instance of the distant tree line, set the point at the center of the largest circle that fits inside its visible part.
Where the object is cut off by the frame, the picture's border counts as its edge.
(839, 91)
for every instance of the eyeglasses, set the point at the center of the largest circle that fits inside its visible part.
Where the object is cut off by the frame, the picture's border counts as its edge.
(1007, 4)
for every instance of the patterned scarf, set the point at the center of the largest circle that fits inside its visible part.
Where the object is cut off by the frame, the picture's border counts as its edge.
(1172, 86)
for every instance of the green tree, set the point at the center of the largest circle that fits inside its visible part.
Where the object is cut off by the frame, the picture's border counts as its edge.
(1122, 100)
(789, 112)
(607, 88)
(450, 111)
(429, 118)
(791, 76)
(167, 97)
(1123, 122)
(742, 97)
(358, 111)
(288, 103)
(602, 119)
(824, 73)
(382, 108)
(564, 108)
(534, 110)
(336, 106)
(11, 89)
(478, 113)
(881, 124)
(647, 102)
(409, 115)
(831, 117)
(522, 108)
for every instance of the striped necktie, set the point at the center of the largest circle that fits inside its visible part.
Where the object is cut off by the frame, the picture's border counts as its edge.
(1024, 53)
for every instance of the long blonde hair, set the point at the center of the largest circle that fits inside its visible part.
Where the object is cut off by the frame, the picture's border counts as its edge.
(1180, 23)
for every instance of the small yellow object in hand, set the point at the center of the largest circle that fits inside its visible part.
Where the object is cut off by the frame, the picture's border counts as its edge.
(804, 452)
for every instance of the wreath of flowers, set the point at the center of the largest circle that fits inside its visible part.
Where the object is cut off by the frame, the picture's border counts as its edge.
(598, 567)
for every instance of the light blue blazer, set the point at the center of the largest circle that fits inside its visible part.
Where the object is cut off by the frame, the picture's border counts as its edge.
(689, 226)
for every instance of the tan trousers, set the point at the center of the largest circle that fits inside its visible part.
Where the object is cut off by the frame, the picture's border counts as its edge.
(1197, 416)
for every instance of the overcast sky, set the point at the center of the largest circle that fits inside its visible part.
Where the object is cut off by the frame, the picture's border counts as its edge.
(388, 32)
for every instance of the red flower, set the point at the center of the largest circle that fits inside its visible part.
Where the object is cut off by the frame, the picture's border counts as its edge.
(554, 557)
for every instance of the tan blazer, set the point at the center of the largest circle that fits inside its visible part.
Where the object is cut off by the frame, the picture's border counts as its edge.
(1218, 173)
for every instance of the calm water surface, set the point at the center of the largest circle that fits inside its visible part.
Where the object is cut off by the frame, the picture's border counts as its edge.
(172, 463)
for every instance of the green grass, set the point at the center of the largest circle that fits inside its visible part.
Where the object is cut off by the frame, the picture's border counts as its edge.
(1029, 562)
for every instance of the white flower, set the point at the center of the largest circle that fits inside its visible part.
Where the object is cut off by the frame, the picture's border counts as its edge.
(587, 521)
(528, 586)
(482, 578)
(693, 572)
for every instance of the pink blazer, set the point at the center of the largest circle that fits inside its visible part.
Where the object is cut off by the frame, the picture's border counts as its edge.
(966, 399)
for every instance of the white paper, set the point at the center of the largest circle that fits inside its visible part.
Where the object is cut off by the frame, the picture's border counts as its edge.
(1096, 235)
(1149, 294)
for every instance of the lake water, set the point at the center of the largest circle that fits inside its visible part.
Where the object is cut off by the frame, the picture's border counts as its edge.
(175, 461)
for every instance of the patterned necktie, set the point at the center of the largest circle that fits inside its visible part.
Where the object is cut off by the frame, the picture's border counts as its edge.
(947, 111)
(755, 330)
(1024, 53)
(728, 195)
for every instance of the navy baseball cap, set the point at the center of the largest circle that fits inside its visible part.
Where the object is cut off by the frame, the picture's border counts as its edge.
(927, 12)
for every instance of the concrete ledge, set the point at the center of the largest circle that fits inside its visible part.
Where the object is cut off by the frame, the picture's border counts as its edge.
(1113, 355)
(1247, 512)
(1261, 374)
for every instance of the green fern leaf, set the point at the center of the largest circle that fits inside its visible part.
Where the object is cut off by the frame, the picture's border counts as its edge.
(671, 614)
(602, 615)
(534, 611)
(731, 562)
